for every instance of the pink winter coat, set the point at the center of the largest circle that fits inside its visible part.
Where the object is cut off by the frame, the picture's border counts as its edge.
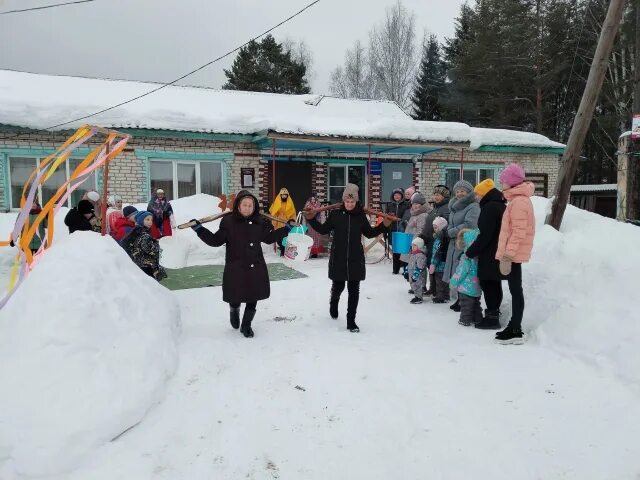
(518, 224)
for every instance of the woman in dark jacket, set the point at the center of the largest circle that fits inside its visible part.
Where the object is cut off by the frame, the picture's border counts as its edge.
(346, 261)
(81, 218)
(441, 196)
(492, 207)
(245, 278)
(397, 206)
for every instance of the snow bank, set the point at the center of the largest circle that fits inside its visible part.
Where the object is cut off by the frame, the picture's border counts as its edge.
(581, 288)
(87, 345)
(184, 247)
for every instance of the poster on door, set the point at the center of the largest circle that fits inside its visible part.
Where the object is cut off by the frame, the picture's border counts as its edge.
(397, 175)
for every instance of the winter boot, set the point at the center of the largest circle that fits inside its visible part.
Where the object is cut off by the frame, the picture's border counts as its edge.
(456, 306)
(410, 292)
(333, 307)
(415, 301)
(491, 320)
(352, 327)
(439, 300)
(510, 336)
(235, 317)
(247, 318)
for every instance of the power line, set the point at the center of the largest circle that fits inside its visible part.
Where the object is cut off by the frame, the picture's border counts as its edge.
(165, 85)
(46, 6)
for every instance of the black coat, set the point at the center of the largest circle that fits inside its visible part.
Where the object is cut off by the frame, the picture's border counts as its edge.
(398, 209)
(346, 261)
(245, 278)
(77, 221)
(492, 207)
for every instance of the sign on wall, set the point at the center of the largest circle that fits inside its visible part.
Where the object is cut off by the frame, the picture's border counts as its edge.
(248, 176)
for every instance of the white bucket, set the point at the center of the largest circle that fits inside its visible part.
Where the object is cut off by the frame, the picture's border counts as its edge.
(298, 247)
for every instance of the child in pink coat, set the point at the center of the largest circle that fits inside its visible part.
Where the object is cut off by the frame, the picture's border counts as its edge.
(515, 244)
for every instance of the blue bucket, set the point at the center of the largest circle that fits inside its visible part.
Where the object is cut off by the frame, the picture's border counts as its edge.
(401, 242)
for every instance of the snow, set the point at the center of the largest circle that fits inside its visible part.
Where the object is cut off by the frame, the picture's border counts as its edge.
(414, 392)
(509, 138)
(87, 346)
(601, 187)
(41, 101)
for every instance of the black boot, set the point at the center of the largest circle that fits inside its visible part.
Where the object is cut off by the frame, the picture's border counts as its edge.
(334, 299)
(510, 336)
(456, 306)
(247, 318)
(491, 320)
(235, 317)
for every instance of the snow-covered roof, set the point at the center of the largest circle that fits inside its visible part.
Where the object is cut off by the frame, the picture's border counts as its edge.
(41, 101)
(601, 187)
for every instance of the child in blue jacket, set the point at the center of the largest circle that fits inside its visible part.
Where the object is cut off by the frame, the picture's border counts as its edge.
(439, 259)
(465, 280)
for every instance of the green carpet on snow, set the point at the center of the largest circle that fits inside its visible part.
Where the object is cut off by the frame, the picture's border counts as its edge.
(200, 276)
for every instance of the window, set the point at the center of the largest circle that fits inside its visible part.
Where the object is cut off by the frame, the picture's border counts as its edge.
(185, 178)
(471, 175)
(21, 168)
(340, 175)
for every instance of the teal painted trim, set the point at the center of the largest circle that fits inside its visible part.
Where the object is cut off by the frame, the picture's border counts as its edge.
(221, 137)
(42, 152)
(529, 150)
(6, 188)
(193, 156)
(146, 186)
(444, 166)
(226, 178)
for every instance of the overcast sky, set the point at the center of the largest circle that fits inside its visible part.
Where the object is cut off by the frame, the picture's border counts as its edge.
(160, 40)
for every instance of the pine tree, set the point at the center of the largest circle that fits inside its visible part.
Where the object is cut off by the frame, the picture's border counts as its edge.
(430, 83)
(266, 67)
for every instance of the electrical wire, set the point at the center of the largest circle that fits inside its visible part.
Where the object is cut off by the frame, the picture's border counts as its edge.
(45, 7)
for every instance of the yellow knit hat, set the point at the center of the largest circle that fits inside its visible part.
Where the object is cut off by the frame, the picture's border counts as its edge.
(484, 186)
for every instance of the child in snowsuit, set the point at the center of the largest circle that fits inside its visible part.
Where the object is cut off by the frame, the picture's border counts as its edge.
(143, 249)
(465, 280)
(417, 269)
(439, 259)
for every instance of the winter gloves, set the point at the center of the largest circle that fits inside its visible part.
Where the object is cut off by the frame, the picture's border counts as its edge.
(432, 269)
(196, 224)
(505, 265)
(416, 274)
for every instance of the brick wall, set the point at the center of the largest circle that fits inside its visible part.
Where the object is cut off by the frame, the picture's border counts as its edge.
(319, 180)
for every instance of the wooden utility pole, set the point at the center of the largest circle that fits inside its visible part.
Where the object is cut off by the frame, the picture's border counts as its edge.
(569, 163)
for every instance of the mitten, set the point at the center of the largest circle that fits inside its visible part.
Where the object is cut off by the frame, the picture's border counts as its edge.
(432, 269)
(505, 266)
(196, 224)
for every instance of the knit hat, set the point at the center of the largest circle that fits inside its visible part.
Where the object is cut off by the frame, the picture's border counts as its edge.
(463, 185)
(350, 192)
(484, 186)
(111, 201)
(85, 206)
(418, 198)
(442, 190)
(440, 222)
(418, 242)
(140, 216)
(512, 175)
(93, 196)
(128, 210)
(397, 190)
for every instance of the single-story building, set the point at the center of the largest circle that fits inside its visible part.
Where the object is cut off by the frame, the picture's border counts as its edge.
(600, 198)
(190, 140)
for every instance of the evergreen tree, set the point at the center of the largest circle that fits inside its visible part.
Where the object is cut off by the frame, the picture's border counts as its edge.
(266, 67)
(430, 83)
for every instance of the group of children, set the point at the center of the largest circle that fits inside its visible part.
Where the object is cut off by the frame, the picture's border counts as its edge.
(509, 245)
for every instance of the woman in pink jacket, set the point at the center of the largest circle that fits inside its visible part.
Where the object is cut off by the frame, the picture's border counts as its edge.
(515, 244)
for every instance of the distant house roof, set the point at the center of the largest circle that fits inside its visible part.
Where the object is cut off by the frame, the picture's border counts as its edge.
(602, 187)
(41, 101)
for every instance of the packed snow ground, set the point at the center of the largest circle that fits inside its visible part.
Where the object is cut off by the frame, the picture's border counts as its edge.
(414, 395)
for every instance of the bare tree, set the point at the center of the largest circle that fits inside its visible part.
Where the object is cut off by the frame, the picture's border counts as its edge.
(354, 80)
(392, 54)
(301, 53)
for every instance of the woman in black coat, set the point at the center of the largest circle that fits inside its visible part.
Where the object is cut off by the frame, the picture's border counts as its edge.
(492, 207)
(245, 278)
(397, 206)
(81, 218)
(346, 261)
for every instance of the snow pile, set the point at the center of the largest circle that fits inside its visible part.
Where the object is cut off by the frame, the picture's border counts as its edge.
(580, 288)
(184, 247)
(509, 138)
(87, 345)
